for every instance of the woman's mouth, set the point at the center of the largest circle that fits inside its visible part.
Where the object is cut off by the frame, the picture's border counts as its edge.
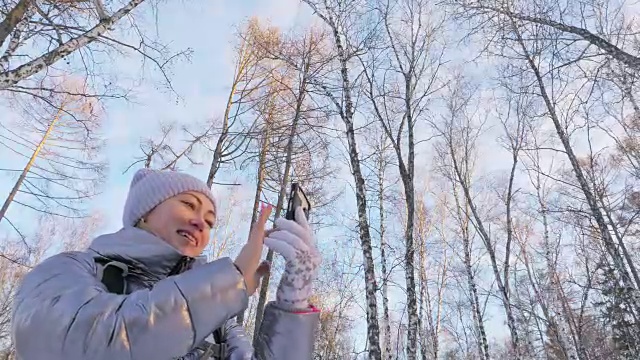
(187, 235)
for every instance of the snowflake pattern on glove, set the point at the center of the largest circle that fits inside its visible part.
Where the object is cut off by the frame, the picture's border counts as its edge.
(296, 284)
(294, 241)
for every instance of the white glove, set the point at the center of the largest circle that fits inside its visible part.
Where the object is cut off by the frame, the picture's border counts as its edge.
(294, 241)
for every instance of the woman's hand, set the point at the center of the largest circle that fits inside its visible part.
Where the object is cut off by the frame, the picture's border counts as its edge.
(248, 260)
(294, 241)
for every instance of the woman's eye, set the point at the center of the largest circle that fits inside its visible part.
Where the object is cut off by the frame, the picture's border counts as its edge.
(210, 224)
(189, 204)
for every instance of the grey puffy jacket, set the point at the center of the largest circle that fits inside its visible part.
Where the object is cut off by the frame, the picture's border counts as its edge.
(62, 311)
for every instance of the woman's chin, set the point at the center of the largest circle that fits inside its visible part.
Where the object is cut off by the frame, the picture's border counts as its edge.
(185, 248)
(189, 250)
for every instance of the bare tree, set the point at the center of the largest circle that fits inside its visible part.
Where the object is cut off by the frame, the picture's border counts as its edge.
(460, 214)
(458, 134)
(64, 168)
(615, 249)
(622, 84)
(534, 42)
(40, 34)
(383, 160)
(267, 113)
(531, 218)
(342, 18)
(225, 234)
(10, 275)
(399, 90)
(251, 75)
(298, 60)
(433, 270)
(562, 328)
(336, 292)
(554, 15)
(553, 55)
(164, 152)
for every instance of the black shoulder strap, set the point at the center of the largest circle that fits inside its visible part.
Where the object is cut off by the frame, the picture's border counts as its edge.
(219, 335)
(214, 351)
(112, 274)
(217, 349)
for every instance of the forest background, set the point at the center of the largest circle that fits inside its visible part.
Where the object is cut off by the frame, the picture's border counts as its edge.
(473, 165)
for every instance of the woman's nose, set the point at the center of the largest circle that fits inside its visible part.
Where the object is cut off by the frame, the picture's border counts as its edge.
(198, 223)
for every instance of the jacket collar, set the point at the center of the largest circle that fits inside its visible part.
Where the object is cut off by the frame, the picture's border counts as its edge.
(144, 253)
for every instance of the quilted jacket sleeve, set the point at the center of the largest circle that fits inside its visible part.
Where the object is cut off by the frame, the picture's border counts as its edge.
(238, 342)
(61, 311)
(284, 335)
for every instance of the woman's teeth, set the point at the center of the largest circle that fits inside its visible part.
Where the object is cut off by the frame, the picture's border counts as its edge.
(187, 235)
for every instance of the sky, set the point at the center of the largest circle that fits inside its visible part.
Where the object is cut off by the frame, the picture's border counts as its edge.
(202, 84)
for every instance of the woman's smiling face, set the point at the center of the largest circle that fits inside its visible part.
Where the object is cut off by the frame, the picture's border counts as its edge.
(183, 221)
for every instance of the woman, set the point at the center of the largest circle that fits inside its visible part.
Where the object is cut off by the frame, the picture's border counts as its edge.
(167, 299)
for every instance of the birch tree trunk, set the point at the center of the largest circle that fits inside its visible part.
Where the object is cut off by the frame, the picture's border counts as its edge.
(458, 133)
(612, 249)
(12, 19)
(463, 216)
(9, 78)
(598, 41)
(333, 14)
(411, 29)
(386, 324)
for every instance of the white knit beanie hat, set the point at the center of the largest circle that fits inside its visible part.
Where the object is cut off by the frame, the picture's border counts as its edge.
(151, 187)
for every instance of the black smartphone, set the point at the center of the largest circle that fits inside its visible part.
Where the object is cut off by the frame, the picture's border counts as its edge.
(297, 198)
